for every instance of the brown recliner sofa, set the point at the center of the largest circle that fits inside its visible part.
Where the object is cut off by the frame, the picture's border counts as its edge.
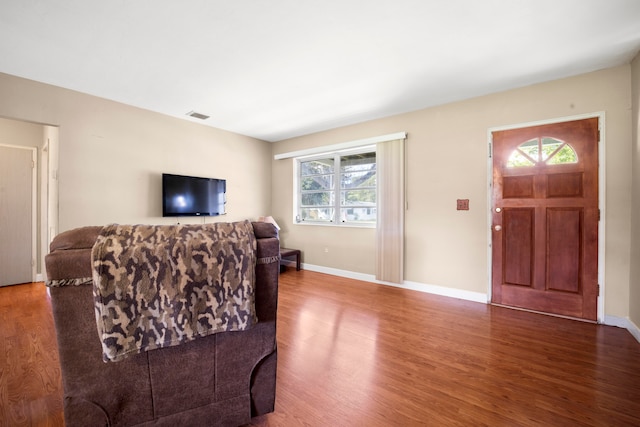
(222, 379)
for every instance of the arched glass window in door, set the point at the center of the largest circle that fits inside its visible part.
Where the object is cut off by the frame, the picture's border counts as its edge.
(542, 151)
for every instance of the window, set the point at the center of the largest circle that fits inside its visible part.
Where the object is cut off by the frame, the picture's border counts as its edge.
(545, 150)
(338, 188)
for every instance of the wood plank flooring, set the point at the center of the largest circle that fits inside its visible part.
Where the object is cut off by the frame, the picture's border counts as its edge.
(30, 382)
(352, 353)
(358, 354)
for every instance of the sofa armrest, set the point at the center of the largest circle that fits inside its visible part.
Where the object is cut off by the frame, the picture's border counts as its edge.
(77, 238)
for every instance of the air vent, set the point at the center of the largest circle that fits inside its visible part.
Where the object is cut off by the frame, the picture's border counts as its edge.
(197, 115)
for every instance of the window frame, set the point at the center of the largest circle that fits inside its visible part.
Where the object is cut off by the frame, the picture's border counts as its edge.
(541, 157)
(336, 189)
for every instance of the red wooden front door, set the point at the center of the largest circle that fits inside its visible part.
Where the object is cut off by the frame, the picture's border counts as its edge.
(545, 218)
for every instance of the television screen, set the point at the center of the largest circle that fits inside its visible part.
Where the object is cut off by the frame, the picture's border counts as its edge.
(192, 196)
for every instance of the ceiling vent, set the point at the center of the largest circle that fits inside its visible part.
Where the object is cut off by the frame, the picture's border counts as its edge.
(197, 115)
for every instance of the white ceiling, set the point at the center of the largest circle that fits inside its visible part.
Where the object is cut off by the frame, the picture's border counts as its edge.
(282, 68)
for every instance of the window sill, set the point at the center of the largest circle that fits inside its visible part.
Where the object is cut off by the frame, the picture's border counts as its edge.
(337, 225)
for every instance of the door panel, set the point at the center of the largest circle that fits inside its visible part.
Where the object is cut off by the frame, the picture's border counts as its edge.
(545, 218)
(16, 184)
(563, 249)
(565, 184)
(518, 236)
(517, 187)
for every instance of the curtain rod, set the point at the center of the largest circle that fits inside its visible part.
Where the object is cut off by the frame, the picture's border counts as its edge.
(341, 145)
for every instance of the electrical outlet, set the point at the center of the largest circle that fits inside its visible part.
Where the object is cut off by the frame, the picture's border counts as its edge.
(326, 250)
(463, 204)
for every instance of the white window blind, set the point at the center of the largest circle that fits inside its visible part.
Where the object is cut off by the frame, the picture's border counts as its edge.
(391, 205)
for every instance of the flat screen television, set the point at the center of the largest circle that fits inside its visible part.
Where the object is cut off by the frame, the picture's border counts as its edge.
(193, 196)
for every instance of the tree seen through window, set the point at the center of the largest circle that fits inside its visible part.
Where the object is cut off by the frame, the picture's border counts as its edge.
(542, 151)
(340, 188)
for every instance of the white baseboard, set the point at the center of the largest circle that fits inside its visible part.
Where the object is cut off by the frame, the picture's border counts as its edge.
(445, 291)
(634, 330)
(415, 286)
(449, 292)
(39, 277)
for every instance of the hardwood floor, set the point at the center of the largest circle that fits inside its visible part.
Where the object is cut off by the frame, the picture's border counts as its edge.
(30, 382)
(352, 353)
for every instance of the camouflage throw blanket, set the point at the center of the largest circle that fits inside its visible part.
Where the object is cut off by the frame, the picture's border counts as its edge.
(160, 286)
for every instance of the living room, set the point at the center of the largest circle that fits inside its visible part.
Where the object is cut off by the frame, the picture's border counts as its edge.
(109, 157)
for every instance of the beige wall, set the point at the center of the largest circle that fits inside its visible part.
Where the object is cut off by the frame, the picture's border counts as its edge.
(634, 288)
(447, 160)
(111, 156)
(24, 134)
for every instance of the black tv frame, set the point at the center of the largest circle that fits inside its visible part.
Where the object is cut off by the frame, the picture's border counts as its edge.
(201, 196)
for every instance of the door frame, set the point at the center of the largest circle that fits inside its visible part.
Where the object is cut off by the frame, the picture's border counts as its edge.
(34, 205)
(601, 197)
(49, 192)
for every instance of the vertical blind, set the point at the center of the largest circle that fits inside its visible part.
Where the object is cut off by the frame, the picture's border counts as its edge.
(391, 205)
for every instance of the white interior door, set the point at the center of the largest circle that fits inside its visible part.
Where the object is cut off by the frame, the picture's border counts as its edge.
(17, 258)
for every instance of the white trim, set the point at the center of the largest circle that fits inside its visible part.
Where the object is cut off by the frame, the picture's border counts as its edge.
(34, 214)
(414, 286)
(620, 322)
(296, 191)
(52, 135)
(332, 224)
(601, 195)
(634, 330)
(489, 213)
(603, 212)
(444, 291)
(341, 146)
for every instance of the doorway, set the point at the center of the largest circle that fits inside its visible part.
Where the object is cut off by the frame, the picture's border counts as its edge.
(545, 218)
(41, 141)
